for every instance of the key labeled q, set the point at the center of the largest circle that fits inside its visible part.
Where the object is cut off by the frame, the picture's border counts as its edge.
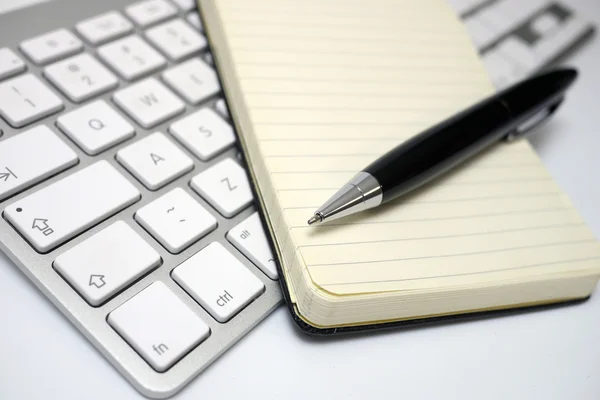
(96, 124)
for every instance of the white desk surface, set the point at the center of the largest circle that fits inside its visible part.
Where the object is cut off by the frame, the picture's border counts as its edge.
(551, 354)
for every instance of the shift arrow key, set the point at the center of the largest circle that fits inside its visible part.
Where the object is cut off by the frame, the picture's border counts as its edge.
(58, 212)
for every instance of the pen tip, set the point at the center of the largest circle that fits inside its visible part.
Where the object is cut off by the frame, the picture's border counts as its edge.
(315, 219)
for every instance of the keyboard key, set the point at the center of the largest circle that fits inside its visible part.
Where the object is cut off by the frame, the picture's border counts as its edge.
(204, 133)
(131, 57)
(95, 127)
(149, 102)
(505, 16)
(176, 220)
(515, 49)
(225, 186)
(159, 326)
(218, 281)
(51, 46)
(208, 58)
(249, 238)
(104, 27)
(61, 211)
(544, 24)
(481, 34)
(26, 99)
(10, 63)
(106, 263)
(155, 161)
(221, 107)
(148, 12)
(193, 19)
(193, 80)
(30, 157)
(176, 39)
(185, 5)
(548, 47)
(81, 77)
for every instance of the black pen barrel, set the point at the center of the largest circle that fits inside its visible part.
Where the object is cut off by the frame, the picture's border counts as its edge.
(453, 141)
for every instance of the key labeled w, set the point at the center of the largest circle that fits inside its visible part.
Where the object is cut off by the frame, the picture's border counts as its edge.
(149, 99)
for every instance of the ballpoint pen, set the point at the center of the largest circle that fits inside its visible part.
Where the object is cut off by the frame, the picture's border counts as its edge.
(506, 115)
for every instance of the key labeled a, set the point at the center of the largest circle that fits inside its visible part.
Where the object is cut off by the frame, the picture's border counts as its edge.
(155, 161)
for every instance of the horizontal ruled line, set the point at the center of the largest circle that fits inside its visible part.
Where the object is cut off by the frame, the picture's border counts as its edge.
(424, 238)
(308, 63)
(501, 166)
(466, 273)
(391, 108)
(384, 51)
(313, 207)
(438, 36)
(351, 24)
(501, 181)
(455, 255)
(302, 123)
(395, 221)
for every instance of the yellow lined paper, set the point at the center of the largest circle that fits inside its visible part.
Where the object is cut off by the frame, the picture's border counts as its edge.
(319, 89)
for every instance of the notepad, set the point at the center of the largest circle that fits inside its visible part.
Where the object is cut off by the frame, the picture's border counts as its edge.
(317, 90)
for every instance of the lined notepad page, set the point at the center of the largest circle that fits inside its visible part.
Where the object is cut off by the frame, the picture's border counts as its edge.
(325, 87)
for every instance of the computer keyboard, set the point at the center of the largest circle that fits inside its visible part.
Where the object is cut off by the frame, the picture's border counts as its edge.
(123, 196)
(517, 38)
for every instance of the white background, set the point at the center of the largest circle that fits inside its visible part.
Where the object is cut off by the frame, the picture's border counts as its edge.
(551, 354)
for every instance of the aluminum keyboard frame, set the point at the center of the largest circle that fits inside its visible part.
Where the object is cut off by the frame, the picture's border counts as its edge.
(91, 321)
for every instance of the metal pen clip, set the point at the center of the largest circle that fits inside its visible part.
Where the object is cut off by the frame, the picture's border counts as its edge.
(534, 121)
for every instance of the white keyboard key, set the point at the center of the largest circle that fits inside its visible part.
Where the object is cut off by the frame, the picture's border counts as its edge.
(155, 161)
(218, 281)
(176, 39)
(59, 212)
(185, 5)
(106, 263)
(30, 157)
(176, 220)
(149, 12)
(462, 6)
(225, 186)
(249, 238)
(515, 49)
(149, 102)
(95, 127)
(10, 63)
(505, 16)
(194, 20)
(26, 99)
(221, 107)
(81, 77)
(104, 27)
(204, 133)
(193, 80)
(208, 58)
(548, 47)
(480, 33)
(131, 57)
(544, 24)
(159, 326)
(51, 46)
